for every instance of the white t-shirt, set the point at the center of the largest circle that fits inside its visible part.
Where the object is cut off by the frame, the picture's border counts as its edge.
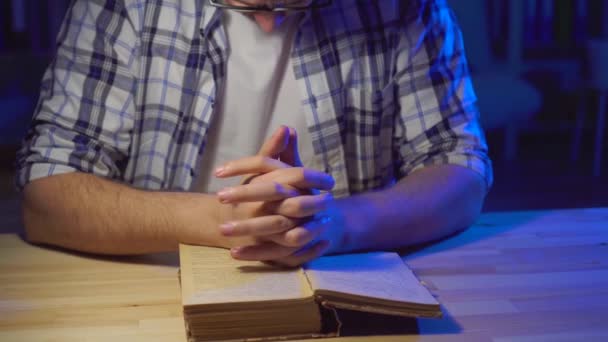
(260, 94)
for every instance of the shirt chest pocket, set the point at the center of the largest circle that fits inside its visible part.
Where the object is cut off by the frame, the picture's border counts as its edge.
(369, 118)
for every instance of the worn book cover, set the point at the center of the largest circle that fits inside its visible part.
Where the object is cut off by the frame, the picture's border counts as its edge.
(227, 299)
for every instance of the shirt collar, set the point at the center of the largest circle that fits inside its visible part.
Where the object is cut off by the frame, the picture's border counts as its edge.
(211, 19)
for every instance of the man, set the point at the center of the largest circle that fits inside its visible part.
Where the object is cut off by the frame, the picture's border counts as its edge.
(155, 123)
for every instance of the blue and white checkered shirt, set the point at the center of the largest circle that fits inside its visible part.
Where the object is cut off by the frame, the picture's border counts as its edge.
(130, 95)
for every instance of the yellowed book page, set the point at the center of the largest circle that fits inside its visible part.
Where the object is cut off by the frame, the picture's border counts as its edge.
(380, 275)
(211, 276)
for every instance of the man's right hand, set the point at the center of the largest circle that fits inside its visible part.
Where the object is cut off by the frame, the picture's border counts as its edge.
(264, 204)
(279, 203)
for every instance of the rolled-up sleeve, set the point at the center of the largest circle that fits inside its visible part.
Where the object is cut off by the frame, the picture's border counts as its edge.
(438, 122)
(85, 112)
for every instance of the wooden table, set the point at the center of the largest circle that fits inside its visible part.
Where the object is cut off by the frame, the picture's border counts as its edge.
(524, 276)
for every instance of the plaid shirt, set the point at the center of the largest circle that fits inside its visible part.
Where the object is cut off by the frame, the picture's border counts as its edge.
(130, 94)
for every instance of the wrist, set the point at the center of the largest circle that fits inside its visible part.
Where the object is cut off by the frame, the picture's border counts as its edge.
(355, 218)
(197, 219)
(341, 215)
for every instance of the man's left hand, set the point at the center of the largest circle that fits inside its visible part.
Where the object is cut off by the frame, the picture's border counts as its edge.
(315, 226)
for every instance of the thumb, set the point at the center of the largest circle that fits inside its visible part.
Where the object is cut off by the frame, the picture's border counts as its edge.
(290, 154)
(276, 143)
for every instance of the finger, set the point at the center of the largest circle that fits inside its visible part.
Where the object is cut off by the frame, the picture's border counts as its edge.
(249, 165)
(297, 237)
(290, 154)
(257, 191)
(300, 177)
(262, 252)
(303, 206)
(276, 143)
(304, 255)
(259, 226)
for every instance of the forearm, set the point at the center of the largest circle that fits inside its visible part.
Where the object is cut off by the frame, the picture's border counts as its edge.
(429, 204)
(87, 213)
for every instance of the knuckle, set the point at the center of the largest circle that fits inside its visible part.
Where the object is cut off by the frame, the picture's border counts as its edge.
(252, 179)
(295, 262)
(285, 223)
(279, 189)
(300, 173)
(294, 208)
(297, 237)
(242, 228)
(280, 223)
(326, 199)
(276, 221)
(290, 262)
(284, 252)
(331, 182)
(258, 209)
(241, 192)
(288, 191)
(260, 160)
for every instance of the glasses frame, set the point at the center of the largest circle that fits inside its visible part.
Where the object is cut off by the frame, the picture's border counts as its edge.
(315, 4)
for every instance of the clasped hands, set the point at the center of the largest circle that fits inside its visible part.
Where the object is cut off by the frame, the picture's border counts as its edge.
(285, 209)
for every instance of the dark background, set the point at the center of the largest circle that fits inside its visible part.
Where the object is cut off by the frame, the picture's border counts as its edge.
(532, 64)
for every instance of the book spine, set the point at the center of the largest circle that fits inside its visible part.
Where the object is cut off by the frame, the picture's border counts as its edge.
(580, 22)
(530, 23)
(564, 24)
(18, 16)
(34, 23)
(595, 10)
(546, 23)
(497, 22)
(604, 19)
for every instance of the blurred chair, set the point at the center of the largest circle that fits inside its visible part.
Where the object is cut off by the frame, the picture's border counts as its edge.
(505, 99)
(19, 88)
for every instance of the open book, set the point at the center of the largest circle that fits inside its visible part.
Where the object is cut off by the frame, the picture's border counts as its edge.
(226, 299)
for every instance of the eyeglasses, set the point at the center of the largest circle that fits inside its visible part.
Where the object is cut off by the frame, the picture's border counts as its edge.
(271, 6)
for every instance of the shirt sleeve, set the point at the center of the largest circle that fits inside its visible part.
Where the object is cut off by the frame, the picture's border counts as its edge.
(85, 112)
(438, 121)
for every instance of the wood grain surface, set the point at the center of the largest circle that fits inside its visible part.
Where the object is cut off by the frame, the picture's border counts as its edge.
(521, 276)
